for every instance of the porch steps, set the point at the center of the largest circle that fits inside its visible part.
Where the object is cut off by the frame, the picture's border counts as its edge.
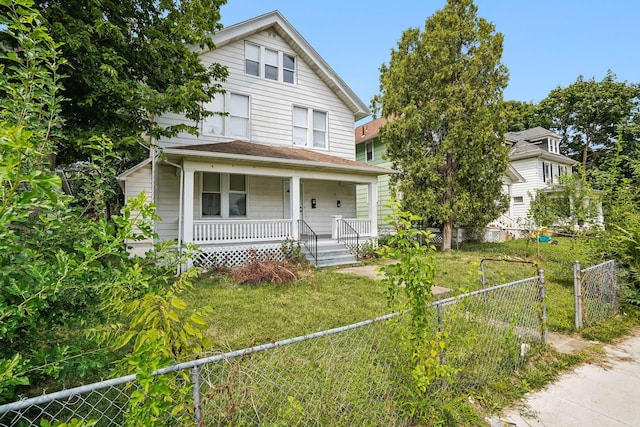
(331, 253)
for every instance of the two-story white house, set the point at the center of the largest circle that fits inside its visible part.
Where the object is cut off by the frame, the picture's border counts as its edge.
(280, 164)
(535, 156)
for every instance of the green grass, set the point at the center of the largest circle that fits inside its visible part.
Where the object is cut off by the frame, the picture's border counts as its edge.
(245, 315)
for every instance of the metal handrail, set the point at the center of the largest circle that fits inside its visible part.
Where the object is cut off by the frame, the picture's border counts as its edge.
(346, 235)
(309, 238)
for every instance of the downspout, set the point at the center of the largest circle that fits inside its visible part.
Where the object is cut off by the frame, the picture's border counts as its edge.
(180, 219)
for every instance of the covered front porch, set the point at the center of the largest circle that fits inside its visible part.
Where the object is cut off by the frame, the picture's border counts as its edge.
(232, 209)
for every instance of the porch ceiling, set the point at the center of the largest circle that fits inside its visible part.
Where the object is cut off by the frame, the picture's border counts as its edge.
(268, 154)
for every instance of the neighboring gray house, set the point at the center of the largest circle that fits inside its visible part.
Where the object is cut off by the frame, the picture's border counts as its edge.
(281, 164)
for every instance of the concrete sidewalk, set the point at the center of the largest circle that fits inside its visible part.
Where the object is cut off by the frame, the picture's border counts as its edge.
(603, 394)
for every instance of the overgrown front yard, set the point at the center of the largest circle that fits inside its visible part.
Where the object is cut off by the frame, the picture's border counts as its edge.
(245, 315)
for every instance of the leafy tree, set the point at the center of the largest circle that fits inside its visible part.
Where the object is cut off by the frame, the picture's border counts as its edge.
(523, 115)
(443, 89)
(58, 266)
(127, 62)
(131, 60)
(589, 115)
(569, 205)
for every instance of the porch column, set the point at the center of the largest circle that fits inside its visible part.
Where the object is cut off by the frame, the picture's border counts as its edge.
(372, 189)
(294, 188)
(187, 206)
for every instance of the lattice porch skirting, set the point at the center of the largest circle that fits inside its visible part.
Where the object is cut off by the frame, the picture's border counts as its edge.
(235, 255)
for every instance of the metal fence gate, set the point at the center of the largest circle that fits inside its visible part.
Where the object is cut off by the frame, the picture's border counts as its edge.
(596, 292)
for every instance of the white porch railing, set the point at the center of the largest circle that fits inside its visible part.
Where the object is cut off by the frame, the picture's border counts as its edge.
(361, 226)
(503, 221)
(232, 231)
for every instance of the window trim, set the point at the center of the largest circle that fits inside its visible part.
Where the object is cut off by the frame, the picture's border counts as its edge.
(518, 202)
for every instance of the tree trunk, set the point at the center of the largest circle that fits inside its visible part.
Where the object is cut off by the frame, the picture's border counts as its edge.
(447, 228)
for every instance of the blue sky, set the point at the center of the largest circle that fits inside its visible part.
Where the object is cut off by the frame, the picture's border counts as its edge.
(547, 43)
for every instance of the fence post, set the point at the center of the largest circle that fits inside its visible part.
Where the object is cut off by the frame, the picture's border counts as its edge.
(577, 292)
(197, 415)
(544, 307)
(442, 356)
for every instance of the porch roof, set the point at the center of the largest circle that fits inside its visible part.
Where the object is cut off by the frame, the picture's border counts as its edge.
(286, 156)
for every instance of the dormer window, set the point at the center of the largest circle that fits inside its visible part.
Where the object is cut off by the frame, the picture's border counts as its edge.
(269, 64)
(553, 145)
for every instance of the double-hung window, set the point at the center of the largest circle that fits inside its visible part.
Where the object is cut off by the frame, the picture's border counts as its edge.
(235, 121)
(309, 128)
(211, 194)
(224, 195)
(547, 172)
(368, 148)
(237, 195)
(268, 63)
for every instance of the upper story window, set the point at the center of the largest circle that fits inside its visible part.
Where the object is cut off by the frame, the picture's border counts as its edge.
(235, 123)
(368, 150)
(309, 128)
(553, 145)
(269, 64)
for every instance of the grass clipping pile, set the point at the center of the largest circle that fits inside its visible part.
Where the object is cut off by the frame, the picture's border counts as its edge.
(266, 270)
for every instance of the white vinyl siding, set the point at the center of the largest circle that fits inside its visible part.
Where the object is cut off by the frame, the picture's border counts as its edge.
(168, 201)
(271, 120)
(327, 194)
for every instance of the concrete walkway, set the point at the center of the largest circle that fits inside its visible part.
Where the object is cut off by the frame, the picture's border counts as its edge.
(603, 394)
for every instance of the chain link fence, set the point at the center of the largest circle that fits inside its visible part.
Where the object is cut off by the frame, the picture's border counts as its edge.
(354, 375)
(596, 293)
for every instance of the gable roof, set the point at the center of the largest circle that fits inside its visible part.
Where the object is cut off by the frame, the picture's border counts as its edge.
(262, 153)
(275, 21)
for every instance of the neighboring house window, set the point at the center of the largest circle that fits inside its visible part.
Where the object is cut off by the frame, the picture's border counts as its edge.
(268, 63)
(517, 200)
(369, 151)
(547, 174)
(235, 123)
(237, 195)
(211, 194)
(217, 187)
(553, 145)
(309, 128)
